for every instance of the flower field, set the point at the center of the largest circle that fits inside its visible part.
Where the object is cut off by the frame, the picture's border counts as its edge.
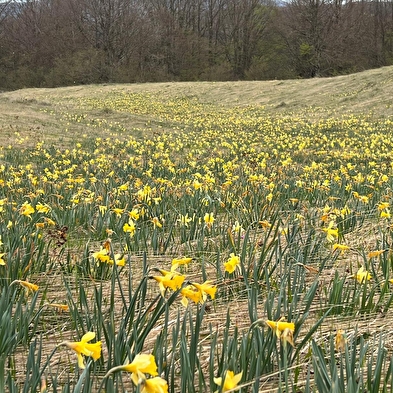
(167, 243)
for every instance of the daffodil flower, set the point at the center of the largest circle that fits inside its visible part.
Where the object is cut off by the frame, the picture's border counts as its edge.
(59, 306)
(191, 293)
(118, 211)
(27, 285)
(156, 222)
(279, 326)
(171, 280)
(154, 385)
(232, 263)
(361, 275)
(26, 209)
(142, 364)
(129, 227)
(375, 253)
(184, 220)
(176, 262)
(43, 208)
(206, 289)
(341, 247)
(231, 380)
(101, 255)
(209, 219)
(83, 347)
(340, 341)
(331, 232)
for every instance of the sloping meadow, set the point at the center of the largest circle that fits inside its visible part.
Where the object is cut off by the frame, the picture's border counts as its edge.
(204, 249)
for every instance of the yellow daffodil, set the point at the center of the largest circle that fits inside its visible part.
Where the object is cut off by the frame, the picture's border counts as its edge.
(206, 289)
(102, 255)
(341, 247)
(184, 220)
(42, 208)
(232, 263)
(191, 293)
(118, 211)
(361, 275)
(49, 222)
(59, 306)
(173, 281)
(265, 224)
(2, 261)
(279, 326)
(134, 214)
(83, 347)
(129, 227)
(26, 209)
(154, 385)
(383, 205)
(237, 228)
(176, 262)
(142, 364)
(340, 341)
(231, 380)
(102, 209)
(156, 222)
(331, 232)
(375, 253)
(123, 187)
(27, 285)
(209, 219)
(119, 260)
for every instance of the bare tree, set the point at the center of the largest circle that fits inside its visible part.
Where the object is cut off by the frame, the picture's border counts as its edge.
(244, 23)
(110, 26)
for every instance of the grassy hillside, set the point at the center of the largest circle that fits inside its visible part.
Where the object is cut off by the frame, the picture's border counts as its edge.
(218, 228)
(30, 115)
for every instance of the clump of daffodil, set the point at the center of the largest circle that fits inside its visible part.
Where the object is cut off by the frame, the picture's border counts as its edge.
(232, 263)
(83, 347)
(142, 366)
(229, 382)
(103, 255)
(184, 220)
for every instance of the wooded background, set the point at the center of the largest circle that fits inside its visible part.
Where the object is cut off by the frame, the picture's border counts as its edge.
(45, 43)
